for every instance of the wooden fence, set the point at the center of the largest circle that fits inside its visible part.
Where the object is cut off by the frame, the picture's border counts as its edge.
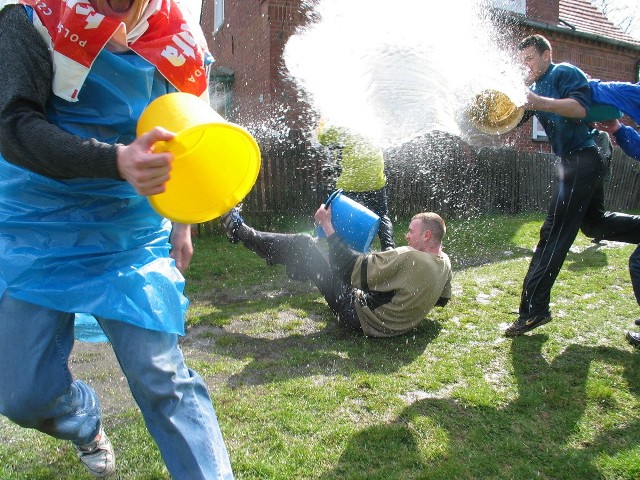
(439, 173)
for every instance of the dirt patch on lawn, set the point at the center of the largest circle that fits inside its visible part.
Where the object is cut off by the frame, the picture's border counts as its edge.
(96, 363)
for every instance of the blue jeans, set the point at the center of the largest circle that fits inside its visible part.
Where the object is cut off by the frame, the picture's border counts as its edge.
(37, 389)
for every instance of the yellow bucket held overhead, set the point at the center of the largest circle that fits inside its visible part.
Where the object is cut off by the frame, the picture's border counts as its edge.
(494, 113)
(215, 162)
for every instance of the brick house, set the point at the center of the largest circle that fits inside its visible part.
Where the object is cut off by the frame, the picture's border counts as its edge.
(248, 37)
(579, 34)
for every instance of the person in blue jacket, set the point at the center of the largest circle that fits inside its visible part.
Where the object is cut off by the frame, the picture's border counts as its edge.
(559, 96)
(77, 232)
(627, 137)
(626, 97)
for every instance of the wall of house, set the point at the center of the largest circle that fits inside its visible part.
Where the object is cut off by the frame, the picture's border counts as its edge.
(242, 44)
(285, 17)
(251, 43)
(546, 11)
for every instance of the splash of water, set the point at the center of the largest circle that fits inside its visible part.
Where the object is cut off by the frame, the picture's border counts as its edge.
(393, 72)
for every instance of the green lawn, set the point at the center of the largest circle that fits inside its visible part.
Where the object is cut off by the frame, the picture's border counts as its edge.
(298, 397)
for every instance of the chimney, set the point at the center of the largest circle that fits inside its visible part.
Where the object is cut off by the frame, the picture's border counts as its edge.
(545, 11)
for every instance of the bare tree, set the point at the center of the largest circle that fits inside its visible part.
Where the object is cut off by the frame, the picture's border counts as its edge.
(623, 13)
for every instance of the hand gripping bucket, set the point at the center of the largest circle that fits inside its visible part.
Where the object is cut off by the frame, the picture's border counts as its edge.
(352, 221)
(215, 164)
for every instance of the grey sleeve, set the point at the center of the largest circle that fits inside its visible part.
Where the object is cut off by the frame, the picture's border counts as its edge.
(27, 138)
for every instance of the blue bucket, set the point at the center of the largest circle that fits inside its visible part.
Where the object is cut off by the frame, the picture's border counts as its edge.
(352, 221)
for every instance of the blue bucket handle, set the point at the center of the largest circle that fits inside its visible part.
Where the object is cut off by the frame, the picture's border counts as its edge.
(332, 197)
(318, 230)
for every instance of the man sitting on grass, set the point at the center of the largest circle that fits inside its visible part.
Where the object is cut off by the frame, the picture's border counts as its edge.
(381, 294)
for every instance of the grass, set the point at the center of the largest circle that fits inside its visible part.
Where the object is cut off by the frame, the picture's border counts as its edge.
(298, 397)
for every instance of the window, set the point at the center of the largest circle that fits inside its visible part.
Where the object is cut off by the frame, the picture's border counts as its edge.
(218, 14)
(220, 98)
(517, 6)
(221, 90)
(538, 132)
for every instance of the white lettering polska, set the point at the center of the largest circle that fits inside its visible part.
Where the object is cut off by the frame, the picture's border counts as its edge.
(73, 37)
(198, 73)
(73, 3)
(183, 44)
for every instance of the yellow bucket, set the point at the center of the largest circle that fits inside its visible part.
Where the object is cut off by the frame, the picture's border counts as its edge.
(493, 112)
(215, 164)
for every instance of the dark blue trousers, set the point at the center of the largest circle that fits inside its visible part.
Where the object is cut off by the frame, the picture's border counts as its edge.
(634, 271)
(304, 260)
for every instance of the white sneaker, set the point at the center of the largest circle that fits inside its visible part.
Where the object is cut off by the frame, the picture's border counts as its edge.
(98, 457)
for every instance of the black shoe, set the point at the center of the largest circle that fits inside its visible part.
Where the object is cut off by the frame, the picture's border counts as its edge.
(523, 325)
(633, 338)
(231, 222)
(637, 322)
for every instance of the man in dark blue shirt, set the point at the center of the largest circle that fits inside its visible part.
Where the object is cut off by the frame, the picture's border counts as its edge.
(560, 97)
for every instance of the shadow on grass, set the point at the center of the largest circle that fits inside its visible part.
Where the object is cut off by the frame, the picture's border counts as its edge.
(528, 438)
(592, 256)
(332, 349)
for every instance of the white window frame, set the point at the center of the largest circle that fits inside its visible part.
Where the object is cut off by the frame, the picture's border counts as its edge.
(537, 131)
(517, 6)
(218, 14)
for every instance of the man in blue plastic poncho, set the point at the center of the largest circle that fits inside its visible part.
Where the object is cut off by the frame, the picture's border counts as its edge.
(77, 233)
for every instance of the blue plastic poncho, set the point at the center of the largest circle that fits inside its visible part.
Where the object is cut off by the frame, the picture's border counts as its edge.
(92, 246)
